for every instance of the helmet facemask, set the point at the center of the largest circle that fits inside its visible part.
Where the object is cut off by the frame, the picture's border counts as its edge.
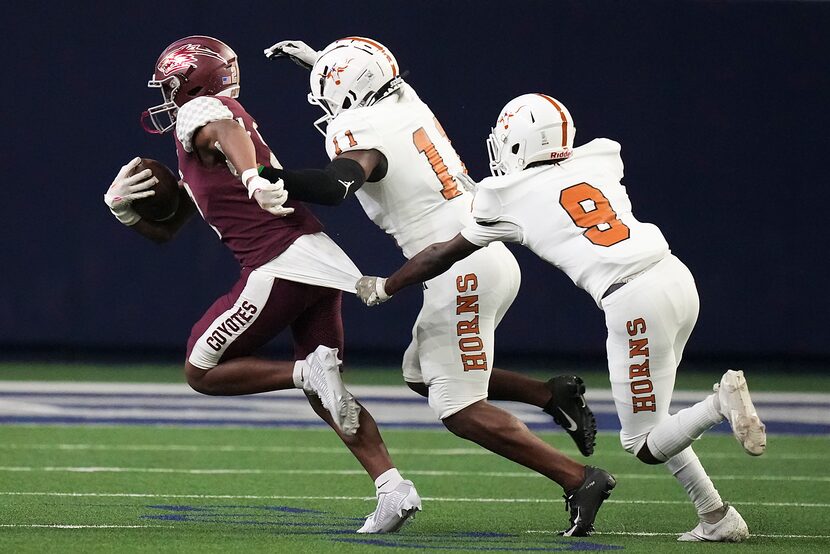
(161, 118)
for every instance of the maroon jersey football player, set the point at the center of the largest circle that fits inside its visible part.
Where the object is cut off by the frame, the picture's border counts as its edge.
(292, 273)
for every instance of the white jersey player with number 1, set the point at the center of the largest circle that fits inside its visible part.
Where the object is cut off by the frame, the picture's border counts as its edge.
(418, 203)
(569, 207)
(388, 149)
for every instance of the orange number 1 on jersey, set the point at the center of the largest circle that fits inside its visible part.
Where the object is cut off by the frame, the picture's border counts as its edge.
(427, 147)
(590, 209)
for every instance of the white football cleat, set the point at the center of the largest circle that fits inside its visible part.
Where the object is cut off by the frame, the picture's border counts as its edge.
(736, 406)
(394, 508)
(732, 528)
(323, 380)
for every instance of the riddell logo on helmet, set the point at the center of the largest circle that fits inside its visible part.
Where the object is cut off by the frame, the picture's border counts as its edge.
(560, 155)
(185, 56)
(335, 71)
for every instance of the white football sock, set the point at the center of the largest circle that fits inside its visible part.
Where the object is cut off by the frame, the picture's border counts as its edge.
(388, 480)
(687, 469)
(299, 366)
(673, 435)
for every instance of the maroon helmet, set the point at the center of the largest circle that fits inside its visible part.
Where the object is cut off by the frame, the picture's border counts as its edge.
(190, 67)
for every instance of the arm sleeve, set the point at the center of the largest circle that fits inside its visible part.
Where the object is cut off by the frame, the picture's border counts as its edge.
(482, 233)
(327, 186)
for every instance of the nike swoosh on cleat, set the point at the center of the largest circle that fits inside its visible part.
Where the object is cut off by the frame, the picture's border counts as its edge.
(572, 426)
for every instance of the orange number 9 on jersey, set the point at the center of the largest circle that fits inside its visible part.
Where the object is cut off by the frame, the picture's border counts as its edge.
(591, 210)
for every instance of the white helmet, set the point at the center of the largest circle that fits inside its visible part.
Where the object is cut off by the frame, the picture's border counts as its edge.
(531, 128)
(351, 73)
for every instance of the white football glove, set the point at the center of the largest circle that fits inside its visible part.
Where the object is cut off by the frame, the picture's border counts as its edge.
(466, 182)
(295, 50)
(126, 188)
(370, 290)
(270, 196)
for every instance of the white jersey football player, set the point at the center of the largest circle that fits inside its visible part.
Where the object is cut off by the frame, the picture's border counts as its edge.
(568, 206)
(388, 149)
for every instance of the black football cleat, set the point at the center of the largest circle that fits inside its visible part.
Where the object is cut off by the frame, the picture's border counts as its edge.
(585, 501)
(569, 409)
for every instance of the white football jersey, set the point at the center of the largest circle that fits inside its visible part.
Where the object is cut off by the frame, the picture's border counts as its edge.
(417, 202)
(575, 215)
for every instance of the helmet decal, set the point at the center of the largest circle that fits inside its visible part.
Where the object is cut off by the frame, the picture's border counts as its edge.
(335, 71)
(504, 120)
(185, 57)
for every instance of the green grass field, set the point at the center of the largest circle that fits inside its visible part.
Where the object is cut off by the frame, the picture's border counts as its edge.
(144, 489)
(179, 489)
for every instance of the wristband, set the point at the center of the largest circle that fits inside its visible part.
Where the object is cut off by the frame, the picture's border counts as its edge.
(380, 290)
(126, 215)
(246, 176)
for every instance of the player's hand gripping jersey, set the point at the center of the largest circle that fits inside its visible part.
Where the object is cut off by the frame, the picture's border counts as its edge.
(417, 202)
(253, 235)
(575, 215)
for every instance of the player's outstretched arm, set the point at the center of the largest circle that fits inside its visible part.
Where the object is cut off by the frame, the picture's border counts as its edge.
(430, 262)
(295, 50)
(331, 185)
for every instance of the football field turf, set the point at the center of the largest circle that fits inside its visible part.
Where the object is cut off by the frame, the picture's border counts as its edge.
(249, 488)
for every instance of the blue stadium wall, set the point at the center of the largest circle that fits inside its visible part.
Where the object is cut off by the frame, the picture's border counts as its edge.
(720, 107)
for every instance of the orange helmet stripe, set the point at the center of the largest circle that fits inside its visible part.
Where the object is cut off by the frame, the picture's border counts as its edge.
(561, 114)
(379, 47)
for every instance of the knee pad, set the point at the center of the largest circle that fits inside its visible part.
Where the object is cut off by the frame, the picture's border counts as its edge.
(447, 397)
(632, 443)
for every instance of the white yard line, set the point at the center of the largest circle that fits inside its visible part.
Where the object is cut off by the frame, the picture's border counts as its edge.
(647, 534)
(373, 499)
(72, 526)
(339, 450)
(427, 473)
(539, 532)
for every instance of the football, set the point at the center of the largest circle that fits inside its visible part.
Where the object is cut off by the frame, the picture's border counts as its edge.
(164, 203)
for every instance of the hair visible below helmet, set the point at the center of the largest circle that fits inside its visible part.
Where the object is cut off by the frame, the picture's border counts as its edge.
(531, 128)
(190, 67)
(351, 73)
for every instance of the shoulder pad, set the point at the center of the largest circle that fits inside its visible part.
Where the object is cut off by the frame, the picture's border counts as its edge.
(603, 152)
(352, 131)
(196, 114)
(486, 205)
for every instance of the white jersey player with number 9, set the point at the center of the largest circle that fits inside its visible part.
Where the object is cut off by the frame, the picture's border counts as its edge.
(569, 207)
(388, 149)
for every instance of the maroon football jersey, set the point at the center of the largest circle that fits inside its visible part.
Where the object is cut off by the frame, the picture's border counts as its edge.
(253, 235)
